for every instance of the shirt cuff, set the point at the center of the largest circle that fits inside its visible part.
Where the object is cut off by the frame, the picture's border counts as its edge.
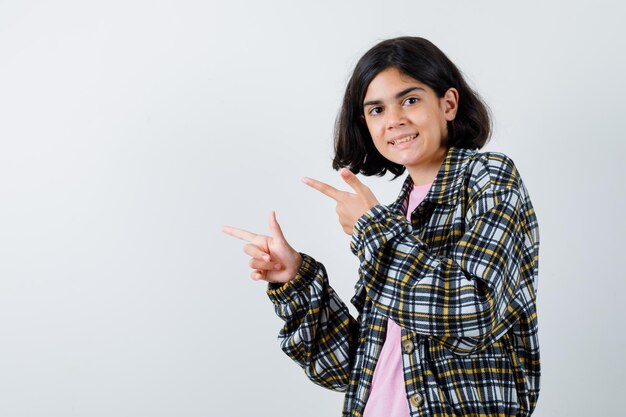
(284, 293)
(375, 214)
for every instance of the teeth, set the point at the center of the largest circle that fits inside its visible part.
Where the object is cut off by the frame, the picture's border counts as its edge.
(405, 139)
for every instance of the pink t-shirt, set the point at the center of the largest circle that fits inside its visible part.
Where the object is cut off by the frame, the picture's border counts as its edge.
(387, 395)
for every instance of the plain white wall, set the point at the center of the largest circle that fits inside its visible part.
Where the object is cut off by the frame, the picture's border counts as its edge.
(131, 131)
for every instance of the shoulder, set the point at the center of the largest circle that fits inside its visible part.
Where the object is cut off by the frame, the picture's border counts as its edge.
(493, 184)
(493, 180)
(494, 170)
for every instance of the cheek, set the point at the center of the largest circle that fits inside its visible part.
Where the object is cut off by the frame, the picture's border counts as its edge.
(375, 133)
(442, 126)
(378, 128)
(434, 123)
(379, 145)
(371, 127)
(426, 120)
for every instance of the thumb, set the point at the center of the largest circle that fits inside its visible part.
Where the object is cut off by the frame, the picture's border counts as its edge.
(275, 229)
(353, 181)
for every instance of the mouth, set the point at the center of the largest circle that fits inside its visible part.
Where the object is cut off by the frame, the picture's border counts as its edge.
(404, 139)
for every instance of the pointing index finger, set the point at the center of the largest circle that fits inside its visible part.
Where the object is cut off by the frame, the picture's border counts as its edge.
(323, 188)
(239, 233)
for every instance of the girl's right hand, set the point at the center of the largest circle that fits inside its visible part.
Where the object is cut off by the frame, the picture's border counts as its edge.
(272, 258)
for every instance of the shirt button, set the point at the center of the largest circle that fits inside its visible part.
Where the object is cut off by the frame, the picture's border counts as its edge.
(408, 346)
(416, 400)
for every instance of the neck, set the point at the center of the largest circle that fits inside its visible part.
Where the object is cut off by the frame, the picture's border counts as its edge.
(425, 173)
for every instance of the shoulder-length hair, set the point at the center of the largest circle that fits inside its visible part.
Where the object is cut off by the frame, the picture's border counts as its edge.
(423, 61)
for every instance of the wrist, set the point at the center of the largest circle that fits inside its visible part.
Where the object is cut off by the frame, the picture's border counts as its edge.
(296, 264)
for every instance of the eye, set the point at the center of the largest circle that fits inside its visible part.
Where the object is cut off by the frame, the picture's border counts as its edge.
(411, 100)
(373, 111)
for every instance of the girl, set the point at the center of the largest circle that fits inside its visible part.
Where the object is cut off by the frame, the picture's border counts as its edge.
(447, 321)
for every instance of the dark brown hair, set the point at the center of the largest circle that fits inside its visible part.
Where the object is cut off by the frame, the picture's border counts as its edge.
(420, 59)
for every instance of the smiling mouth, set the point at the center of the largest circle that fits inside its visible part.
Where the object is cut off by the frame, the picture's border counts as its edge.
(404, 139)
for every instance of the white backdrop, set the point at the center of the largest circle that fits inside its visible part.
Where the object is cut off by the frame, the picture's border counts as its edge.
(131, 131)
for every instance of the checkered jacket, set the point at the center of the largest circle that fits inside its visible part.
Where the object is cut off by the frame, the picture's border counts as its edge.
(459, 279)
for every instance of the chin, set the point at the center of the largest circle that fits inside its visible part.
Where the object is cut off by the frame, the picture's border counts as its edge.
(408, 161)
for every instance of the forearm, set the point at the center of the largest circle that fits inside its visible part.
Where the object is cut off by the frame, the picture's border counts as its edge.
(461, 295)
(319, 333)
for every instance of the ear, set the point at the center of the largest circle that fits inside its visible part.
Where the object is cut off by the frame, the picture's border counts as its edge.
(450, 103)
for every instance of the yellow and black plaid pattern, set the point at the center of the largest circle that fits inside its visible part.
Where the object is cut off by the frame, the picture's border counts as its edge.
(459, 278)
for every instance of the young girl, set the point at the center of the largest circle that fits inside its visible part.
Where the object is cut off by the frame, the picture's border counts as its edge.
(446, 293)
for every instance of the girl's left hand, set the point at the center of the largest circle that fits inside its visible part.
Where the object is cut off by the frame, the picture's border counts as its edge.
(349, 206)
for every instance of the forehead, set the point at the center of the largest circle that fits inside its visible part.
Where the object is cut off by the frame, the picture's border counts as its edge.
(387, 83)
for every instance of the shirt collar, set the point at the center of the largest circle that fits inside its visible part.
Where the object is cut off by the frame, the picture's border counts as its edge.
(447, 183)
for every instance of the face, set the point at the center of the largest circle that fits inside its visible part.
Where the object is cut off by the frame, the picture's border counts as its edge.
(408, 121)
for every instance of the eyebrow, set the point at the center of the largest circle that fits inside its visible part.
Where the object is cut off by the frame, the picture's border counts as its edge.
(400, 94)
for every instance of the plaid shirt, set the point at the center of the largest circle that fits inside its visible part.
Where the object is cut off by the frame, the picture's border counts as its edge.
(460, 279)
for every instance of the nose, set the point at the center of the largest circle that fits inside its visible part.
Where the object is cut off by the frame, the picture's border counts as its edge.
(395, 117)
